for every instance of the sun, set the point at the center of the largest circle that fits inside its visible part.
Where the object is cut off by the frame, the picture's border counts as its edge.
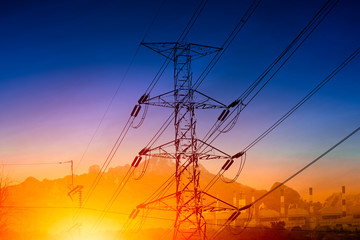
(94, 236)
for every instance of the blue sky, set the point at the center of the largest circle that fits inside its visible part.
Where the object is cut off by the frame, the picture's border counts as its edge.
(62, 61)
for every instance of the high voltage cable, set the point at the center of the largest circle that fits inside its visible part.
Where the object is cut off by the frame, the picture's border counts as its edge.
(152, 84)
(291, 177)
(182, 36)
(313, 22)
(286, 115)
(230, 42)
(326, 7)
(249, 12)
(153, 20)
(299, 104)
(187, 28)
(301, 34)
(38, 163)
(304, 30)
(109, 106)
(180, 39)
(290, 50)
(236, 30)
(302, 101)
(119, 85)
(227, 42)
(82, 208)
(192, 21)
(126, 128)
(325, 10)
(114, 196)
(108, 159)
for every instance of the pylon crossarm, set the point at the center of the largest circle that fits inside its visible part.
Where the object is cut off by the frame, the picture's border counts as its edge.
(163, 151)
(221, 201)
(206, 102)
(164, 49)
(168, 150)
(216, 209)
(162, 100)
(167, 49)
(203, 50)
(204, 208)
(201, 101)
(212, 152)
(159, 200)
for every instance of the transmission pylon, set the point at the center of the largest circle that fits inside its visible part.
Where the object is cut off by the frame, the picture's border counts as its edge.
(189, 201)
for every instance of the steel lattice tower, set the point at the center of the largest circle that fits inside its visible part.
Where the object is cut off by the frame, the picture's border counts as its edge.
(184, 149)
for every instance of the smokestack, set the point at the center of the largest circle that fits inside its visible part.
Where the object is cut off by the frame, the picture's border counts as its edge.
(235, 200)
(282, 203)
(311, 200)
(343, 201)
(242, 201)
(256, 210)
(235, 203)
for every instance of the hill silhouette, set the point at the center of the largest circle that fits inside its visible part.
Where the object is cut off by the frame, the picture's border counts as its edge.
(45, 204)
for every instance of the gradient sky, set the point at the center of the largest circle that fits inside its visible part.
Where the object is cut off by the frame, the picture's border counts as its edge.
(61, 63)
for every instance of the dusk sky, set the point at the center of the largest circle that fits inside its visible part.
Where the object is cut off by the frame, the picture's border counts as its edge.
(62, 61)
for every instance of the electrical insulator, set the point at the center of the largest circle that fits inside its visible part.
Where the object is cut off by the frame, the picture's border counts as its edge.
(136, 161)
(223, 115)
(136, 213)
(229, 165)
(132, 213)
(239, 154)
(143, 151)
(143, 98)
(135, 111)
(226, 163)
(233, 216)
(234, 103)
(230, 219)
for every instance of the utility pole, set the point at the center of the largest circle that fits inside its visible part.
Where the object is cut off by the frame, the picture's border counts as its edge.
(186, 149)
(72, 171)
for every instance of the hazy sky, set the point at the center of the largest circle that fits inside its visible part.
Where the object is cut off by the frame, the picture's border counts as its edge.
(61, 63)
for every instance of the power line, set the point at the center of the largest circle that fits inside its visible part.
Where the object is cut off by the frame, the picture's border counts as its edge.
(152, 84)
(119, 85)
(82, 208)
(34, 163)
(307, 166)
(291, 177)
(305, 99)
(180, 39)
(287, 53)
(249, 12)
(283, 118)
(300, 38)
(298, 105)
(226, 44)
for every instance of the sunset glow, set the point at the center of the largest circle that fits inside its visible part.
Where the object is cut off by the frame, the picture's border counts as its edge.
(127, 120)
